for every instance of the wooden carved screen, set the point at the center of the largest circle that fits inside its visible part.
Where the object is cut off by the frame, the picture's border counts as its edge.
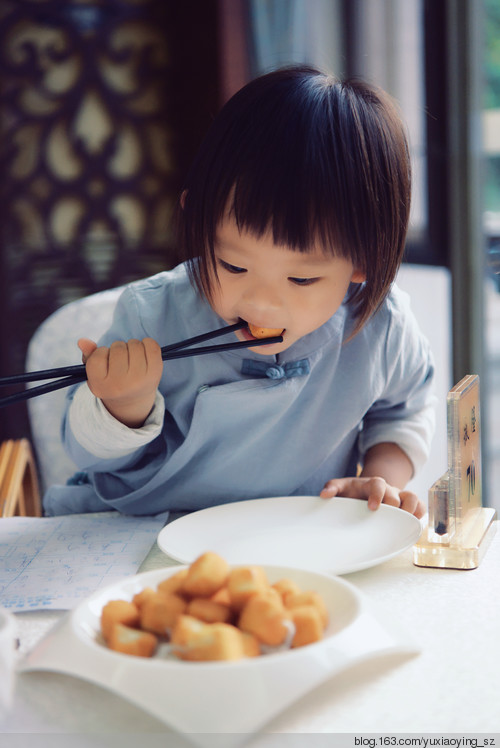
(88, 179)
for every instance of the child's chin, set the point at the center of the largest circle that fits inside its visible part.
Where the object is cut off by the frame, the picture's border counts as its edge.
(269, 350)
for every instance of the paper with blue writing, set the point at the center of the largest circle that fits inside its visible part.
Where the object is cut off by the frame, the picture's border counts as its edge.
(55, 562)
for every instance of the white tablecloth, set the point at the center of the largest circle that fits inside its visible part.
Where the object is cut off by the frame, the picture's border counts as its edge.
(452, 686)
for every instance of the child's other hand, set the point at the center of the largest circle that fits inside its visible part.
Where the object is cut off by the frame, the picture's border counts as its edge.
(376, 491)
(124, 376)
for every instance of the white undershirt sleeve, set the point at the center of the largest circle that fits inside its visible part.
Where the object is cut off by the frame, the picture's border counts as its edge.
(98, 432)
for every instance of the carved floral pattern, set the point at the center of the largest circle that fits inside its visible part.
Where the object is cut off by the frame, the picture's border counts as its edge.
(88, 178)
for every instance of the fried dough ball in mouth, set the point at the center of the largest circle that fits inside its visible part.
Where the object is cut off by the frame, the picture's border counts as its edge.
(265, 332)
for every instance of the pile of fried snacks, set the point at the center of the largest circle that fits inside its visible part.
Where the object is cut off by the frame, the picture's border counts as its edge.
(210, 611)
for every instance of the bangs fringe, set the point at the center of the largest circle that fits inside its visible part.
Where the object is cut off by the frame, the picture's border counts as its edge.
(314, 161)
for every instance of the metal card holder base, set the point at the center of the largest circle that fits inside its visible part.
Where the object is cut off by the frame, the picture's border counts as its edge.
(460, 529)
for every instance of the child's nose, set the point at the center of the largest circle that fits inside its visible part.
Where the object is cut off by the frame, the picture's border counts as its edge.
(261, 297)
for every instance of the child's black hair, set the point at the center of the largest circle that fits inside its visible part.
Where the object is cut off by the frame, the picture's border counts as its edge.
(311, 159)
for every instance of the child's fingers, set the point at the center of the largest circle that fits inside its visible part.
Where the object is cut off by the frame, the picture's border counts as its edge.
(135, 361)
(330, 490)
(98, 365)
(412, 504)
(87, 347)
(152, 358)
(124, 369)
(153, 354)
(118, 360)
(142, 360)
(375, 491)
(380, 492)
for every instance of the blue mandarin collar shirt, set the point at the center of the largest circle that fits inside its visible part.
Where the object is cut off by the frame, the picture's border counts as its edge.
(240, 425)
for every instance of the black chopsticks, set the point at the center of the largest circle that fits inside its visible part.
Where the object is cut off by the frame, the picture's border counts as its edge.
(65, 376)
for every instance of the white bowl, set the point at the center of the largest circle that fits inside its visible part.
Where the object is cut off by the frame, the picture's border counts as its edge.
(216, 697)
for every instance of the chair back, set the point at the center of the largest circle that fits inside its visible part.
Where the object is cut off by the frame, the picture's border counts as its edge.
(19, 491)
(54, 344)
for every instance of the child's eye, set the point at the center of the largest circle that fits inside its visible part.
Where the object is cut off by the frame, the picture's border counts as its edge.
(303, 281)
(231, 268)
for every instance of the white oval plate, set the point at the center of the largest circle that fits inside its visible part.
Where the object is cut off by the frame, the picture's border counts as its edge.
(218, 697)
(337, 535)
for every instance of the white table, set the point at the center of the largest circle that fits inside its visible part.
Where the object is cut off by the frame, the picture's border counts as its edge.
(453, 686)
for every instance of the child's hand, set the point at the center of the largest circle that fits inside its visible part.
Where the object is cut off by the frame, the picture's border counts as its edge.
(124, 376)
(376, 491)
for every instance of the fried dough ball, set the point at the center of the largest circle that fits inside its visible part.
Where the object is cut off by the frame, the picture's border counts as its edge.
(251, 645)
(308, 625)
(142, 596)
(244, 582)
(266, 618)
(132, 641)
(173, 583)
(118, 611)
(160, 612)
(286, 587)
(206, 575)
(308, 598)
(198, 641)
(209, 610)
(273, 595)
(222, 597)
(265, 332)
(186, 630)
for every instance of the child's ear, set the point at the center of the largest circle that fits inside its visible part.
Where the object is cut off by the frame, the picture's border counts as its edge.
(358, 276)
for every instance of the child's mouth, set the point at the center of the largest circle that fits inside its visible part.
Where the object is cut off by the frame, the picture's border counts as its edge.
(253, 332)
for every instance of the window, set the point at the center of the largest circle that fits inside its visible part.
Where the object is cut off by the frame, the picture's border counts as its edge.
(378, 40)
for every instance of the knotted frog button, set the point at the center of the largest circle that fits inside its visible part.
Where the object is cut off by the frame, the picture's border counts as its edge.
(257, 368)
(275, 372)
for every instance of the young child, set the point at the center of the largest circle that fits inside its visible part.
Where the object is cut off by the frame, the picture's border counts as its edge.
(294, 217)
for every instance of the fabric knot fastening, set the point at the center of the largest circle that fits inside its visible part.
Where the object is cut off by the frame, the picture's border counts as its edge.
(256, 368)
(275, 372)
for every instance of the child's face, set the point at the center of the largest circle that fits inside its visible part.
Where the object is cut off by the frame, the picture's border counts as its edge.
(271, 286)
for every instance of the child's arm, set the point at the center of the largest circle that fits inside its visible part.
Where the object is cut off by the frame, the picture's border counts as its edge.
(389, 461)
(385, 473)
(125, 377)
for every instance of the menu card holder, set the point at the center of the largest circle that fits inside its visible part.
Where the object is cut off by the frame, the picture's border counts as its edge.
(19, 490)
(459, 528)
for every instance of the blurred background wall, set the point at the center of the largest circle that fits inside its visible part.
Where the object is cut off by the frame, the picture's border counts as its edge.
(103, 104)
